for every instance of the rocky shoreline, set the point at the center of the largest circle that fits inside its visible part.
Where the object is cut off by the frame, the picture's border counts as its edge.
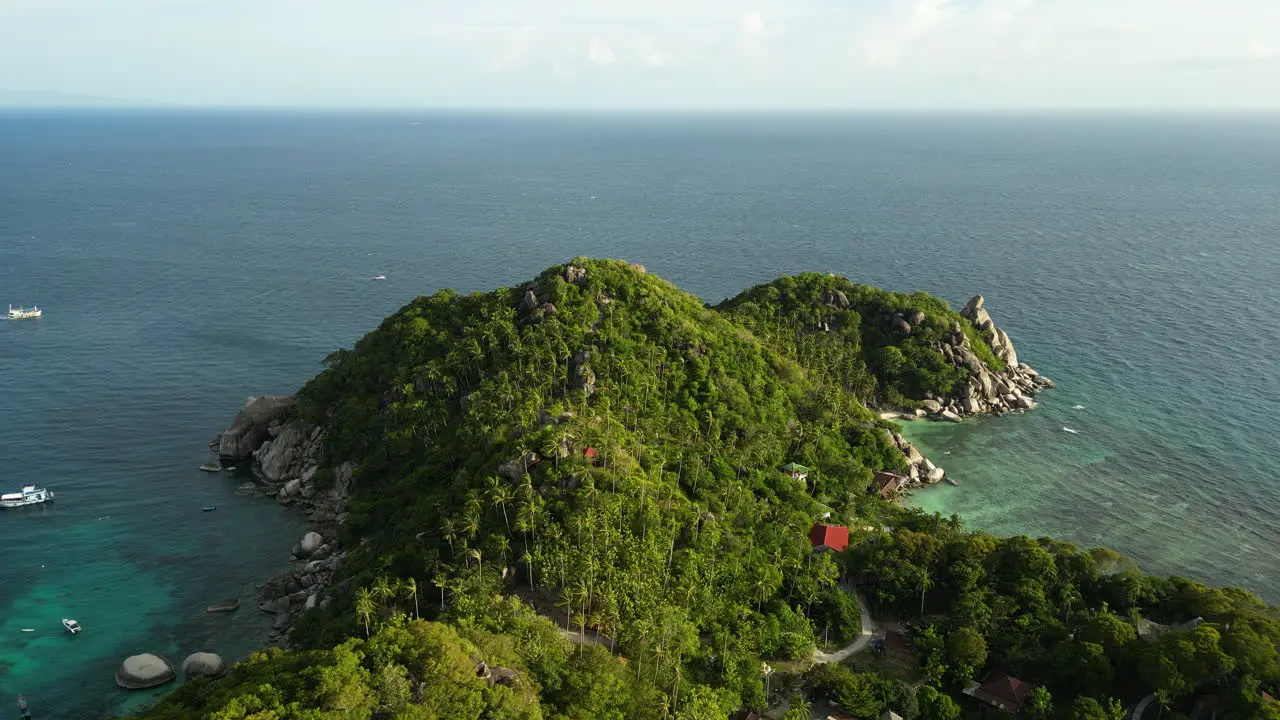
(285, 459)
(985, 392)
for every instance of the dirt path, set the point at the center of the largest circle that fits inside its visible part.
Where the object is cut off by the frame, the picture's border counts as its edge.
(868, 631)
(577, 637)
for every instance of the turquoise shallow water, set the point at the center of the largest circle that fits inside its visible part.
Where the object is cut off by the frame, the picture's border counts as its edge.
(1172, 357)
(186, 261)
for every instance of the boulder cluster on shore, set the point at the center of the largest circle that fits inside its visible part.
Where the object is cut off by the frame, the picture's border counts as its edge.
(285, 458)
(141, 672)
(984, 392)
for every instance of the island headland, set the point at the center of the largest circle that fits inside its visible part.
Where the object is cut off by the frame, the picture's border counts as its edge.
(594, 495)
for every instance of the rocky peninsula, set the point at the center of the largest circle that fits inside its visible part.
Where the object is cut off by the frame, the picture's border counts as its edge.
(985, 391)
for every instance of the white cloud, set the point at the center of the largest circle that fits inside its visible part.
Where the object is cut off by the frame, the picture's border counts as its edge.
(564, 71)
(599, 53)
(889, 42)
(1004, 13)
(514, 53)
(652, 55)
(783, 53)
(755, 30)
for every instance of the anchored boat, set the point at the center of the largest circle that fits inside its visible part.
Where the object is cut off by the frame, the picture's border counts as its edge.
(30, 495)
(71, 625)
(23, 313)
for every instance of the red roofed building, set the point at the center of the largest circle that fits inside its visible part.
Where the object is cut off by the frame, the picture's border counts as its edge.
(1001, 692)
(835, 537)
(590, 454)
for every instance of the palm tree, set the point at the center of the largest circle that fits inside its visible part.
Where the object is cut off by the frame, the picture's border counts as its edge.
(382, 589)
(1069, 597)
(522, 526)
(500, 495)
(474, 553)
(449, 530)
(364, 607)
(926, 582)
(409, 587)
(441, 582)
(470, 526)
(504, 547)
(566, 602)
(528, 509)
(583, 594)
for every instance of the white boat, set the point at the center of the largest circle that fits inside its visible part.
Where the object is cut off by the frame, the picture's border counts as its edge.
(378, 277)
(30, 495)
(23, 313)
(71, 625)
(1067, 429)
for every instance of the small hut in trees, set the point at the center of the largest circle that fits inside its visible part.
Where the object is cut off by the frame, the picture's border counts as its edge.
(887, 483)
(1001, 692)
(796, 471)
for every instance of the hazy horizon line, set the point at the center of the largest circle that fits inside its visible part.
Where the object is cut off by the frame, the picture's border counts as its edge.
(673, 110)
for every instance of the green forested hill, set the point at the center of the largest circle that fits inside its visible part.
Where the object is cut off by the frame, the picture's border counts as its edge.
(600, 448)
(470, 417)
(877, 345)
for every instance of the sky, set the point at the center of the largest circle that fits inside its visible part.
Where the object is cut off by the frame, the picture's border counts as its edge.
(644, 54)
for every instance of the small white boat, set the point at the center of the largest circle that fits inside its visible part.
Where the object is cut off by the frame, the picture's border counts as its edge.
(24, 313)
(30, 495)
(1077, 407)
(71, 625)
(1067, 429)
(378, 277)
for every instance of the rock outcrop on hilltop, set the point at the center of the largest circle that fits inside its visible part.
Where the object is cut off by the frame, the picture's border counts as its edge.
(985, 391)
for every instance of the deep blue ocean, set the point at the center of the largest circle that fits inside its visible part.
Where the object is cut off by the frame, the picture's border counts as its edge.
(186, 261)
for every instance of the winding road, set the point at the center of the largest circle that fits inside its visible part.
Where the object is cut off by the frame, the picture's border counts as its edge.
(864, 639)
(1141, 707)
(820, 657)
